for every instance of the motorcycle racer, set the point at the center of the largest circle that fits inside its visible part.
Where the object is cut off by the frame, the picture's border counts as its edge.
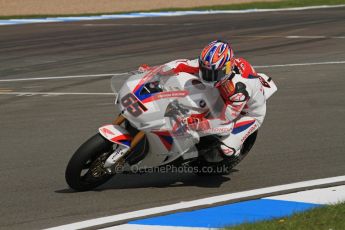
(240, 88)
(201, 114)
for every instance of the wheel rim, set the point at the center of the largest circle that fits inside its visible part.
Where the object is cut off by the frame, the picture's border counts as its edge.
(93, 169)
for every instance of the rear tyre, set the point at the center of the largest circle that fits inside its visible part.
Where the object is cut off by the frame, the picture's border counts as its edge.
(225, 166)
(85, 169)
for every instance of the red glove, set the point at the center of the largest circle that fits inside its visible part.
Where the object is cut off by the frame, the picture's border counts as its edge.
(197, 123)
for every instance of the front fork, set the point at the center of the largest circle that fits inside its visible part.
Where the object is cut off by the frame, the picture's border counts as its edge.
(120, 152)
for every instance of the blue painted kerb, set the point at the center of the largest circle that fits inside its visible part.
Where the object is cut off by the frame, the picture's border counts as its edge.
(230, 214)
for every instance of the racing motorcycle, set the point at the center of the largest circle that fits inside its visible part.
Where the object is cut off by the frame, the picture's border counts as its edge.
(151, 133)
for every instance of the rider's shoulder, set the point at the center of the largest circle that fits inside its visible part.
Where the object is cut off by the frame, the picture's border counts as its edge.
(241, 61)
(244, 68)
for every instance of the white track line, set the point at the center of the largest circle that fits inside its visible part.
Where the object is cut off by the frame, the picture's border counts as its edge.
(314, 37)
(299, 8)
(52, 93)
(289, 36)
(301, 64)
(62, 77)
(200, 202)
(119, 74)
(140, 25)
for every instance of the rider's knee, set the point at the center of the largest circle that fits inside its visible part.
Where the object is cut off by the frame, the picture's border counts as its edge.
(229, 151)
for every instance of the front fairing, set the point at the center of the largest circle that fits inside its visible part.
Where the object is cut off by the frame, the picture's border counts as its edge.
(158, 102)
(145, 96)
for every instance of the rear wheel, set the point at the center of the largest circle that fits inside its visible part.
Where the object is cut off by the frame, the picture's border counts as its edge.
(85, 169)
(224, 167)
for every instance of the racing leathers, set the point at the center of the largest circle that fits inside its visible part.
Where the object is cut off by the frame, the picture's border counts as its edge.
(243, 106)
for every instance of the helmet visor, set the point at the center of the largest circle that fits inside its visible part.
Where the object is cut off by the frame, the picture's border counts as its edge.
(209, 75)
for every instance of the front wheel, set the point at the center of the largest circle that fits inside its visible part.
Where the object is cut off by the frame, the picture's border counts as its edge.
(85, 169)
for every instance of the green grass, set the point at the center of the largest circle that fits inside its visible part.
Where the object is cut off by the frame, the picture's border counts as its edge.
(323, 218)
(242, 6)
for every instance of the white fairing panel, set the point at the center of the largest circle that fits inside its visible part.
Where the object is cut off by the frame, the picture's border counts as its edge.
(269, 86)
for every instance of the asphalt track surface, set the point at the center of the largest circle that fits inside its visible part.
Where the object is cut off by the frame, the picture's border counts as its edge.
(302, 137)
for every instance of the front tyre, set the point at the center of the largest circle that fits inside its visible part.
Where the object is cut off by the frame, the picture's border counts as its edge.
(85, 169)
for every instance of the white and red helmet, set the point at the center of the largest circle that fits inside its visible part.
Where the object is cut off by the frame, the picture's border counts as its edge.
(215, 61)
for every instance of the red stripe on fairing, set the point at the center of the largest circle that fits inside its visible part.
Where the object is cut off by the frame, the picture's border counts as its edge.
(186, 68)
(169, 94)
(122, 137)
(163, 133)
(107, 131)
(160, 134)
(146, 100)
(165, 143)
(239, 124)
